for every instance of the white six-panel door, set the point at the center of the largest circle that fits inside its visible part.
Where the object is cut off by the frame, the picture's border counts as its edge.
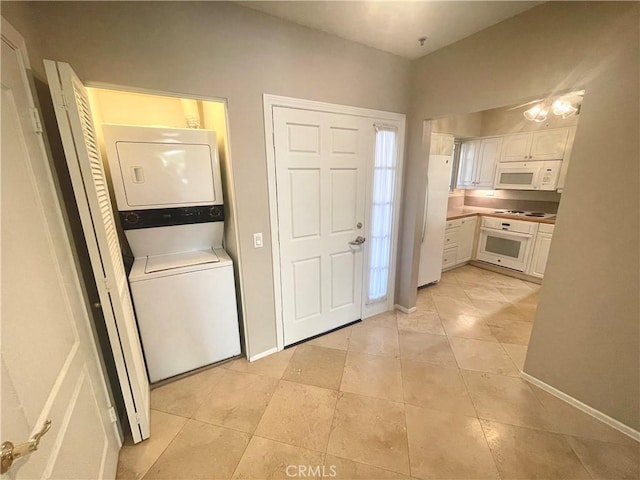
(321, 181)
(50, 365)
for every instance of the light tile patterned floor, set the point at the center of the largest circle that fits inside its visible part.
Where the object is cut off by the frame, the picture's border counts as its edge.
(431, 395)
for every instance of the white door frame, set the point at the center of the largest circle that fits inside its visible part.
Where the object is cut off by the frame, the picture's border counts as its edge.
(397, 120)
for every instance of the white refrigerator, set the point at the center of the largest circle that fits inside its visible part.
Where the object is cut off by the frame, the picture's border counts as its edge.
(435, 215)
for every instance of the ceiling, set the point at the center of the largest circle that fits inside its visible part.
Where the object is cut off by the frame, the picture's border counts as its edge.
(395, 26)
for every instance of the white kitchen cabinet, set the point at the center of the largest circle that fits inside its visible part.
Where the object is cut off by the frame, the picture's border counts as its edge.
(488, 155)
(466, 237)
(567, 158)
(449, 256)
(478, 162)
(541, 249)
(516, 147)
(466, 168)
(539, 145)
(458, 241)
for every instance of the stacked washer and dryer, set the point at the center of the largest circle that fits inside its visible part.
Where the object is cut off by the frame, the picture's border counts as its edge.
(169, 195)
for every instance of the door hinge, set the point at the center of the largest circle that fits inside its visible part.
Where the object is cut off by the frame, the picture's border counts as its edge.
(112, 414)
(106, 284)
(62, 101)
(35, 120)
(138, 418)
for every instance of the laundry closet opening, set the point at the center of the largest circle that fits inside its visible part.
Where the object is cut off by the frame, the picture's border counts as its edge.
(112, 109)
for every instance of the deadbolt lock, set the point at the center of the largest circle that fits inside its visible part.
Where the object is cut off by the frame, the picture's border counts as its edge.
(359, 225)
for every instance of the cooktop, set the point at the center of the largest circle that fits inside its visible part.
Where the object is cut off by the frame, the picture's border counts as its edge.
(526, 214)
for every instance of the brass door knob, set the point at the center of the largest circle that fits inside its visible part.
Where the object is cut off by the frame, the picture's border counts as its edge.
(11, 452)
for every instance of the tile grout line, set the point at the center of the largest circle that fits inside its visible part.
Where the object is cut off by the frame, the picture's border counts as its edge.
(335, 409)
(406, 423)
(251, 435)
(164, 450)
(484, 434)
(246, 447)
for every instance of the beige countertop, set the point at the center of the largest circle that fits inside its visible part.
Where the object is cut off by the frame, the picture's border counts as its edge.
(490, 212)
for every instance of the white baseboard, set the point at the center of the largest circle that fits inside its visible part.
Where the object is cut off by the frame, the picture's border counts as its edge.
(597, 414)
(266, 353)
(404, 309)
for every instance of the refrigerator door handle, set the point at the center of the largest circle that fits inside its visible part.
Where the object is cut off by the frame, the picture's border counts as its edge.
(426, 209)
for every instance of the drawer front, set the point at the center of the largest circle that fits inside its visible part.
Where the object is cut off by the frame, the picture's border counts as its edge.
(449, 257)
(454, 223)
(466, 221)
(451, 237)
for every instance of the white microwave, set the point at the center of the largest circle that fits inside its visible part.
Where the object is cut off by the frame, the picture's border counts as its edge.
(527, 175)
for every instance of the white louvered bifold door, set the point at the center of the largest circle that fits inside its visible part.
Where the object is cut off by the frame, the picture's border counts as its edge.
(92, 196)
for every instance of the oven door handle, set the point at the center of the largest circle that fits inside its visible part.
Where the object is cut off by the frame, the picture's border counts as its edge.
(514, 234)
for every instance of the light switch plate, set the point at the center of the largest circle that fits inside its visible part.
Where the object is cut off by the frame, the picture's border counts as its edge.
(257, 240)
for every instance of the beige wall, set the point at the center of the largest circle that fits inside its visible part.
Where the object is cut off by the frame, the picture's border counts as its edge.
(585, 339)
(111, 106)
(505, 120)
(217, 49)
(460, 126)
(516, 195)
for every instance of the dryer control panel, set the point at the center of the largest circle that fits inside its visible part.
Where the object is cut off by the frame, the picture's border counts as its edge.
(165, 217)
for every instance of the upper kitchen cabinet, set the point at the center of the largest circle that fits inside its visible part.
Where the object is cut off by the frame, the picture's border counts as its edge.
(478, 162)
(540, 145)
(466, 169)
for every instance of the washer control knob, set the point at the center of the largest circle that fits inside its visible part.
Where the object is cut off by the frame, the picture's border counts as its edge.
(214, 211)
(132, 218)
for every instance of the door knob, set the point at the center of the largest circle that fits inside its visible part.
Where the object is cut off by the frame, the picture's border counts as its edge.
(358, 241)
(10, 452)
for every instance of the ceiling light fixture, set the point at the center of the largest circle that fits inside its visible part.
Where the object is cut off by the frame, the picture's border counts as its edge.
(538, 113)
(564, 106)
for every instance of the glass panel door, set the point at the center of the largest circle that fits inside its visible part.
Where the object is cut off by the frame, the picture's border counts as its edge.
(383, 202)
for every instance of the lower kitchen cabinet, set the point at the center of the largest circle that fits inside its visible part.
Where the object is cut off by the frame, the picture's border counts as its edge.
(466, 237)
(458, 241)
(541, 250)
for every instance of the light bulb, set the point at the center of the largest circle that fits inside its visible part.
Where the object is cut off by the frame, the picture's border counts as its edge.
(538, 113)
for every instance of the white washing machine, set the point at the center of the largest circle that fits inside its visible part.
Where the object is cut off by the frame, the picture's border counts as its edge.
(169, 195)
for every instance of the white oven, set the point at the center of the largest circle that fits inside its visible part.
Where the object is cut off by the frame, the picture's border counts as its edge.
(506, 243)
(528, 175)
